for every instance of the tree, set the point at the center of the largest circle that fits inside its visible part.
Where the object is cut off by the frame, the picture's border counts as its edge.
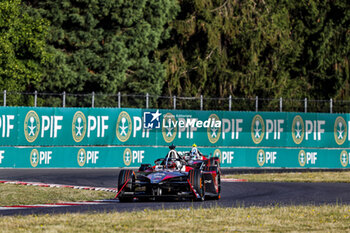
(323, 29)
(106, 46)
(23, 50)
(237, 47)
(291, 49)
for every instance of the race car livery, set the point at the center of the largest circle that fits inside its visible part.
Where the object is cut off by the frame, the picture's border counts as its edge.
(172, 177)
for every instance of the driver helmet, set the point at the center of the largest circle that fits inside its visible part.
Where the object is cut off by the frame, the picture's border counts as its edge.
(172, 159)
(171, 164)
(194, 151)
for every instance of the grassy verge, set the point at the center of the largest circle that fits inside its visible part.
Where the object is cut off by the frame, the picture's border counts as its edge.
(295, 177)
(11, 194)
(254, 219)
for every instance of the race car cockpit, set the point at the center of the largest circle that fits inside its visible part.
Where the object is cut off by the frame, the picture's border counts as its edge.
(172, 160)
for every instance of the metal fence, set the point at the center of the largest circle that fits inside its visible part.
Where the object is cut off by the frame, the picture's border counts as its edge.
(120, 100)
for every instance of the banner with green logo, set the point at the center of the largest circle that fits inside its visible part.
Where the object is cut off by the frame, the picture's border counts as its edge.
(24, 126)
(102, 157)
(240, 138)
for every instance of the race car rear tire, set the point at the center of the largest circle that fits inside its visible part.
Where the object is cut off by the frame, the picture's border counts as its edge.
(197, 181)
(126, 175)
(218, 181)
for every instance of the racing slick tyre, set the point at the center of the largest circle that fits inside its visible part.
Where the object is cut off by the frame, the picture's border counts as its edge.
(126, 182)
(217, 181)
(197, 182)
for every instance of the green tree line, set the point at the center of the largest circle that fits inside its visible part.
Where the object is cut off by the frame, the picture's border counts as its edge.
(293, 49)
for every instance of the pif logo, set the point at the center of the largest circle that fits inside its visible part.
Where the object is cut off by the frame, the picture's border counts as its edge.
(87, 157)
(31, 126)
(34, 157)
(214, 131)
(261, 158)
(42, 157)
(127, 157)
(78, 126)
(340, 130)
(217, 153)
(344, 158)
(169, 127)
(134, 156)
(257, 129)
(81, 157)
(298, 129)
(302, 158)
(123, 127)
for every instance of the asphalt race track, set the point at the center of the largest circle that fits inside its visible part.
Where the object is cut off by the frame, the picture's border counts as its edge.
(240, 194)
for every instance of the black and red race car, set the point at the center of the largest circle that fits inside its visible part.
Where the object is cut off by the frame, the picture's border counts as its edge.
(171, 177)
(195, 158)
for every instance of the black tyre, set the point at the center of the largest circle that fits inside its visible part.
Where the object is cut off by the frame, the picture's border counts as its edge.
(216, 181)
(126, 179)
(197, 182)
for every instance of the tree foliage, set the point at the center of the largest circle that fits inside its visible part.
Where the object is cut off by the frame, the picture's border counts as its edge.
(106, 45)
(270, 49)
(23, 48)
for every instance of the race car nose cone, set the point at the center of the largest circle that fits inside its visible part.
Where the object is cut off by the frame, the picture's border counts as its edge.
(155, 178)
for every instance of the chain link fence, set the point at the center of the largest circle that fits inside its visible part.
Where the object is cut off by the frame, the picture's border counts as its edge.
(120, 100)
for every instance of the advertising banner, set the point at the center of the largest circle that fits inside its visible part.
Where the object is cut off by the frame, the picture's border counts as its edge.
(24, 126)
(104, 157)
(53, 137)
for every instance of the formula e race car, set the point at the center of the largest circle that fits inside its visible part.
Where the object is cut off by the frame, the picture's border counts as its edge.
(195, 158)
(171, 177)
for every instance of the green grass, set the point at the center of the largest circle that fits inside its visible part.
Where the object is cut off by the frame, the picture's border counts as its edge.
(11, 194)
(251, 219)
(343, 177)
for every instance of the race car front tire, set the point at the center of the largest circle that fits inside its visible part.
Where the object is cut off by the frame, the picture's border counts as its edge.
(197, 182)
(126, 176)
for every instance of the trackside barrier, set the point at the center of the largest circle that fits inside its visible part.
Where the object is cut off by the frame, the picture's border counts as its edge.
(119, 137)
(102, 157)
